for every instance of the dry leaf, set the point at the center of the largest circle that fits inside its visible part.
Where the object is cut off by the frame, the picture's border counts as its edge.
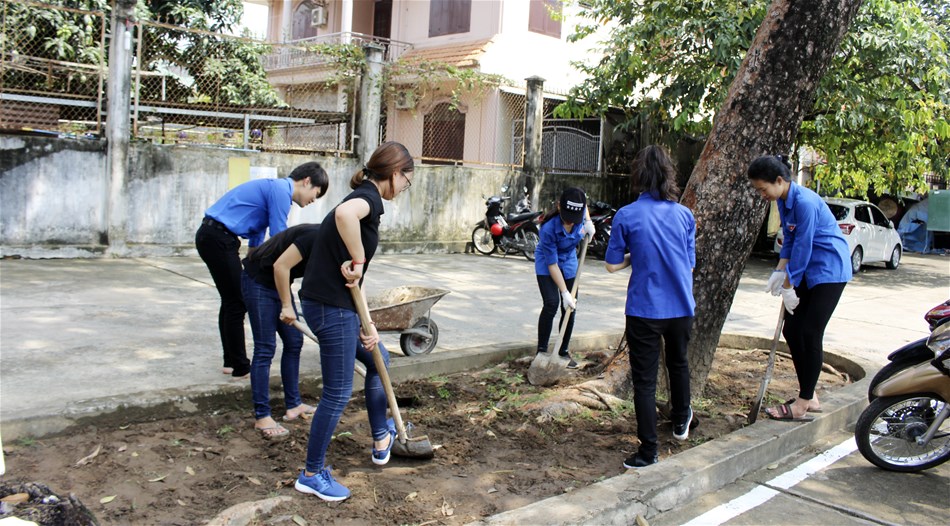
(85, 460)
(447, 511)
(189, 470)
(489, 433)
(181, 502)
(122, 448)
(16, 498)
(641, 521)
(492, 490)
(299, 521)
(158, 479)
(135, 454)
(106, 500)
(126, 426)
(411, 497)
(254, 481)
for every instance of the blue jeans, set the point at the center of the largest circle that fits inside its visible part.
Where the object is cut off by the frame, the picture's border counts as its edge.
(337, 331)
(263, 309)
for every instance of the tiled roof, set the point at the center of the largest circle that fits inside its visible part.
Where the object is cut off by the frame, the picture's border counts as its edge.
(459, 55)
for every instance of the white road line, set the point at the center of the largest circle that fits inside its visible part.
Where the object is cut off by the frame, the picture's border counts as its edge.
(761, 494)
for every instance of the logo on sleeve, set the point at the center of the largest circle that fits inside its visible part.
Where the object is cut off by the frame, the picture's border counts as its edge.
(791, 228)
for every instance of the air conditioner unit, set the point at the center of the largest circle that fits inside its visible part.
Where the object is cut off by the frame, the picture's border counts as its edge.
(405, 100)
(318, 16)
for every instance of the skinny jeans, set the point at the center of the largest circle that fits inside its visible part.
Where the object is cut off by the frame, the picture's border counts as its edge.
(551, 300)
(263, 310)
(645, 337)
(337, 331)
(805, 330)
(219, 250)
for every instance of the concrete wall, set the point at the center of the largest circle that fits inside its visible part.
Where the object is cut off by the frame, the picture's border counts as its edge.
(54, 197)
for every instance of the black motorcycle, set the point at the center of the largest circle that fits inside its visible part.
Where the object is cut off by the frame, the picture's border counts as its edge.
(511, 233)
(602, 214)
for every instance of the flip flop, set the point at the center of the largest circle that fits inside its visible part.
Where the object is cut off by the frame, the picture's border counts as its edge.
(305, 415)
(274, 433)
(785, 413)
(791, 401)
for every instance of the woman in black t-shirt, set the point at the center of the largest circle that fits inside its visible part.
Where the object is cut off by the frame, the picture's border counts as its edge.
(339, 256)
(264, 308)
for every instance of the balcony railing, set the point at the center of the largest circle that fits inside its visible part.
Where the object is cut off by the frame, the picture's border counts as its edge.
(295, 54)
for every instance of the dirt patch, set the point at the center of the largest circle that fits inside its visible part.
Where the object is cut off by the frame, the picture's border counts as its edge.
(492, 457)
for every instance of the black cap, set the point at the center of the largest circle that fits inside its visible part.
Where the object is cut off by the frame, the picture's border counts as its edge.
(573, 201)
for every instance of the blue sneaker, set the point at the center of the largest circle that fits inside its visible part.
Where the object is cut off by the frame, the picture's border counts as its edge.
(321, 484)
(382, 457)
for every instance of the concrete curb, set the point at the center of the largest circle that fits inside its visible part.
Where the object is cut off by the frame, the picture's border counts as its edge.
(700, 470)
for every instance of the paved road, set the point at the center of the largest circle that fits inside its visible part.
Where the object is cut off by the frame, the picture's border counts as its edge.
(829, 483)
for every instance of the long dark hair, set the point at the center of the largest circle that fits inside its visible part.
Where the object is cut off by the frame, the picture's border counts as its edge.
(653, 172)
(769, 168)
(266, 254)
(389, 158)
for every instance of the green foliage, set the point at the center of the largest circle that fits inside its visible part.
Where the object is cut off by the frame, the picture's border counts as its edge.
(424, 79)
(881, 114)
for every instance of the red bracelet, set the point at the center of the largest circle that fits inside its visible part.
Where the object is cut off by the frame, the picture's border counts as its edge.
(354, 262)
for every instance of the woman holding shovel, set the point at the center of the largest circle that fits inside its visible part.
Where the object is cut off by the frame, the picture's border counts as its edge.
(273, 266)
(813, 269)
(555, 264)
(341, 254)
(656, 237)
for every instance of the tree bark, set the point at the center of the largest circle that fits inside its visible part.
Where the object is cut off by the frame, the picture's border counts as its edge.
(762, 113)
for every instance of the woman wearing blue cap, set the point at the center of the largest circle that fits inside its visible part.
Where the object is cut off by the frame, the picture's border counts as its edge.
(555, 264)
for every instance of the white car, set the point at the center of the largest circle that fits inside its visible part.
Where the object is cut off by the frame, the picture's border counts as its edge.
(871, 237)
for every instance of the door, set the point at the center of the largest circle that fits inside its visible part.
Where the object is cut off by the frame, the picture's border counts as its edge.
(881, 228)
(864, 232)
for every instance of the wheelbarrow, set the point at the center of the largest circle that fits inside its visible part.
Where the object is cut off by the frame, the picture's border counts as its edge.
(407, 310)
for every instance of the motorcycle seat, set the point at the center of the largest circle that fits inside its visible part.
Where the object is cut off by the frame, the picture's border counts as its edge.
(517, 218)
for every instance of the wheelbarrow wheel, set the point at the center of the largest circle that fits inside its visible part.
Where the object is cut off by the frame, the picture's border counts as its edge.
(414, 344)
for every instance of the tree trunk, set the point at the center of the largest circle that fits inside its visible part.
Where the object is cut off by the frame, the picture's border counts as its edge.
(762, 113)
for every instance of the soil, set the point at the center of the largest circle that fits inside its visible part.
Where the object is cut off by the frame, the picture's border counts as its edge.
(491, 456)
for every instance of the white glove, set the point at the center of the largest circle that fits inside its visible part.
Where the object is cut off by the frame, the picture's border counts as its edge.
(567, 301)
(776, 280)
(790, 299)
(589, 230)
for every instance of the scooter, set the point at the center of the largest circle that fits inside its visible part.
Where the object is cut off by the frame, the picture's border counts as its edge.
(517, 232)
(602, 215)
(906, 426)
(914, 352)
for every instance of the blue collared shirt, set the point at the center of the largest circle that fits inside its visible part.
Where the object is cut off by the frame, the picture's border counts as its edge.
(557, 246)
(661, 239)
(814, 245)
(250, 208)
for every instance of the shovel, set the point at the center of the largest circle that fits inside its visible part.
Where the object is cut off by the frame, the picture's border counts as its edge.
(757, 404)
(404, 446)
(547, 367)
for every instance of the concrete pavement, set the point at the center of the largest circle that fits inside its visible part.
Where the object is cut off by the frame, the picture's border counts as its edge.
(84, 338)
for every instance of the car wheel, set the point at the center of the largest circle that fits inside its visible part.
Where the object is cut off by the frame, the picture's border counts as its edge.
(895, 260)
(857, 257)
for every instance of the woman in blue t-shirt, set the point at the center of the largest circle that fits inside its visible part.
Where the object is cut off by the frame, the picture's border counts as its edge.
(340, 254)
(555, 263)
(813, 268)
(656, 237)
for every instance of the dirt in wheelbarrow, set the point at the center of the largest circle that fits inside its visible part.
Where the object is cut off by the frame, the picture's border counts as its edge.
(491, 454)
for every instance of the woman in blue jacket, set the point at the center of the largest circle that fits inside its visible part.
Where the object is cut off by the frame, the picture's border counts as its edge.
(813, 268)
(555, 264)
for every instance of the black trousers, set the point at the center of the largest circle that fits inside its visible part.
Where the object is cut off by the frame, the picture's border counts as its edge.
(644, 337)
(551, 300)
(219, 250)
(805, 330)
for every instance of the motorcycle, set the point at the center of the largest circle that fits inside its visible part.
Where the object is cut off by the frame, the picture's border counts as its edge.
(913, 353)
(602, 214)
(906, 427)
(515, 232)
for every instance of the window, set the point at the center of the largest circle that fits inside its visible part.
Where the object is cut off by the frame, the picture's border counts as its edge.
(300, 26)
(879, 218)
(862, 214)
(443, 134)
(540, 19)
(448, 17)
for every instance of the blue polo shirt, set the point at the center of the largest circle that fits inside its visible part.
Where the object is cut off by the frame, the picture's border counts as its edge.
(250, 208)
(661, 239)
(814, 245)
(557, 246)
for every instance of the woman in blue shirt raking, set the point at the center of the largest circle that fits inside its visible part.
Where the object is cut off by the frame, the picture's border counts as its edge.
(813, 268)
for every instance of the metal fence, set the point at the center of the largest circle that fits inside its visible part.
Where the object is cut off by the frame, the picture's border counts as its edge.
(198, 87)
(53, 68)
